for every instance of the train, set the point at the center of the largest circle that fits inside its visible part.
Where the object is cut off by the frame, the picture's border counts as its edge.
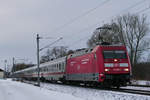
(102, 65)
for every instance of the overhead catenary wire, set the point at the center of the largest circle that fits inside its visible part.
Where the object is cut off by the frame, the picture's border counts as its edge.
(143, 10)
(47, 46)
(80, 16)
(132, 6)
(122, 11)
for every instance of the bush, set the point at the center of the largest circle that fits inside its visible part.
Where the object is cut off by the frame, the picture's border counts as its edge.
(141, 71)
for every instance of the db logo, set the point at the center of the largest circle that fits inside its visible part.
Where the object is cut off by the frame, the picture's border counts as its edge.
(116, 69)
(116, 65)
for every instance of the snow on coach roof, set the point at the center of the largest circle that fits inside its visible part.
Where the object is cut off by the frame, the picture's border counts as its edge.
(44, 64)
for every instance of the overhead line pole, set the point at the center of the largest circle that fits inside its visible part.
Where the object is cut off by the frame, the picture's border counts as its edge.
(13, 68)
(38, 62)
(5, 72)
(38, 53)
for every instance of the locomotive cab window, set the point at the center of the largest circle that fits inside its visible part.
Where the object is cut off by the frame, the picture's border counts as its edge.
(115, 54)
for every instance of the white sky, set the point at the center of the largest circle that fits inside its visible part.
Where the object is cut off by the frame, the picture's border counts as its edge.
(21, 19)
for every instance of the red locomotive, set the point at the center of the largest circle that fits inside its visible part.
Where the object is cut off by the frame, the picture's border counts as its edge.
(102, 65)
(105, 65)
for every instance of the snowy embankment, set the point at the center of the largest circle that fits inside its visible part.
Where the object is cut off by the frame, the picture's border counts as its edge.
(11, 90)
(137, 88)
(93, 94)
(140, 82)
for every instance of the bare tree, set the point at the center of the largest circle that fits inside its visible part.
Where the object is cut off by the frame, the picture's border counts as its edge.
(134, 29)
(54, 53)
(148, 58)
(129, 30)
(20, 66)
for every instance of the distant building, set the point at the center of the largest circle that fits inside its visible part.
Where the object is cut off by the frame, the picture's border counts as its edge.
(1, 74)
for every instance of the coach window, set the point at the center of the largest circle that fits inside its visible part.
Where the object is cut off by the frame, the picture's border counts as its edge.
(50, 68)
(59, 66)
(63, 66)
(56, 67)
(45, 69)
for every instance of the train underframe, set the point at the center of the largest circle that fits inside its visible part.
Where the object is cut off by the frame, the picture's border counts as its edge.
(116, 80)
(110, 80)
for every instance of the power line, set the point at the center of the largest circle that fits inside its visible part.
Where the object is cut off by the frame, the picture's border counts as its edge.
(89, 11)
(145, 9)
(76, 42)
(51, 44)
(124, 10)
(80, 16)
(132, 6)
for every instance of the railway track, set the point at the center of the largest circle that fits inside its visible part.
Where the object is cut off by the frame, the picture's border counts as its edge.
(138, 85)
(132, 91)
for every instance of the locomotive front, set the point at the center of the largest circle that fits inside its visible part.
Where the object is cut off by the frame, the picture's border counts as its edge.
(116, 65)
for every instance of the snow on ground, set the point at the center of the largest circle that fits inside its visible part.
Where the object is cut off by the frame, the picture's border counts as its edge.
(93, 94)
(140, 82)
(11, 90)
(137, 88)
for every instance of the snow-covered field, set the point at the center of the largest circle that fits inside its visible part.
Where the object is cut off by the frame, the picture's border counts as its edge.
(93, 94)
(140, 82)
(12, 90)
(137, 88)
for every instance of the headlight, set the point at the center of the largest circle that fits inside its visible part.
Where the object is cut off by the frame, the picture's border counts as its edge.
(123, 64)
(109, 64)
(101, 74)
(126, 69)
(106, 70)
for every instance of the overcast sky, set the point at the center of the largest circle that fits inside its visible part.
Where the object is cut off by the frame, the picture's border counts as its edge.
(20, 20)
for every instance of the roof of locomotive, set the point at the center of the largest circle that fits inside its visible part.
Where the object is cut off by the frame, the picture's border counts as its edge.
(83, 51)
(112, 46)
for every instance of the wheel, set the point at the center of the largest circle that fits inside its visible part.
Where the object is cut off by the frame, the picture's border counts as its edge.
(118, 86)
